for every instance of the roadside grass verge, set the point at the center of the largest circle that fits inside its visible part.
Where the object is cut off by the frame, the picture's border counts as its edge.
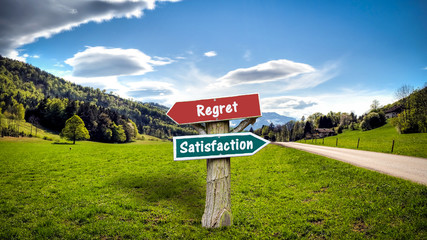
(378, 140)
(127, 191)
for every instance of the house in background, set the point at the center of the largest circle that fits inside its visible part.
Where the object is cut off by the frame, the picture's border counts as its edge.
(393, 111)
(324, 132)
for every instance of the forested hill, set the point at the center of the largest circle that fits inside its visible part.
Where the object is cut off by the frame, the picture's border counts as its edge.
(50, 101)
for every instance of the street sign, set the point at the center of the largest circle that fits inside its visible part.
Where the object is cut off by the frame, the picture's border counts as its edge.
(217, 146)
(215, 109)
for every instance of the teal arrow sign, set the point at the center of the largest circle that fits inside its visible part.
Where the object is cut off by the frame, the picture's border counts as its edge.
(217, 146)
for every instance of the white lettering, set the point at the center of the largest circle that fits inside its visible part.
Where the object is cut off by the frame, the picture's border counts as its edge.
(216, 110)
(191, 148)
(249, 145)
(207, 147)
(199, 110)
(219, 148)
(221, 107)
(235, 106)
(208, 111)
(242, 145)
(226, 146)
(183, 148)
(213, 145)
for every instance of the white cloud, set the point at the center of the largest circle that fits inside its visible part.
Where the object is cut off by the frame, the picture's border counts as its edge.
(150, 89)
(100, 61)
(109, 83)
(288, 105)
(311, 79)
(210, 54)
(59, 65)
(265, 72)
(23, 25)
(160, 61)
(26, 55)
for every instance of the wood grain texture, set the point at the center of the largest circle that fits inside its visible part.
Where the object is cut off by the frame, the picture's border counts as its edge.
(218, 194)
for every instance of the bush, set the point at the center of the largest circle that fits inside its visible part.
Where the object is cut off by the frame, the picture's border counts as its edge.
(353, 126)
(338, 129)
(403, 126)
(372, 121)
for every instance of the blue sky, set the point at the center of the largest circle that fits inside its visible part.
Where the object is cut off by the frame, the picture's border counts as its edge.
(300, 56)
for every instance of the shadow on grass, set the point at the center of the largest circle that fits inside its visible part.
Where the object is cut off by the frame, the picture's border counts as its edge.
(184, 191)
(62, 143)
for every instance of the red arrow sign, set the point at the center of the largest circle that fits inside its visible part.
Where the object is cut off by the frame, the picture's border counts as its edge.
(215, 109)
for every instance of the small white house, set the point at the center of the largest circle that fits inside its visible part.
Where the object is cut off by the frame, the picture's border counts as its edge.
(393, 112)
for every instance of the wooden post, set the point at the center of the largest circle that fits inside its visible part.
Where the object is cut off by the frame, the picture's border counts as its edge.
(218, 193)
(358, 140)
(392, 146)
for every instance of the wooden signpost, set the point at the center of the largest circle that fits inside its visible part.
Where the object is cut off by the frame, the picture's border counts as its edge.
(217, 145)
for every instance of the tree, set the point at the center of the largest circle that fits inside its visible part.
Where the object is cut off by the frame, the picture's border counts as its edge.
(308, 128)
(265, 131)
(403, 92)
(326, 122)
(413, 119)
(119, 135)
(375, 105)
(75, 129)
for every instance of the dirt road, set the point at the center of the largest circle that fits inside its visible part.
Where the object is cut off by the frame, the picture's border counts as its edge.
(410, 168)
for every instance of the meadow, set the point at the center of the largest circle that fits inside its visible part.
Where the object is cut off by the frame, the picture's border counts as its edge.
(136, 191)
(378, 140)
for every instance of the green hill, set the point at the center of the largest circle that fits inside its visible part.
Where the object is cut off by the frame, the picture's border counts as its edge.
(50, 101)
(378, 140)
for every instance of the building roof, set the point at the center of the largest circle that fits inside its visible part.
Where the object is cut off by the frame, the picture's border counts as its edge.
(324, 130)
(396, 108)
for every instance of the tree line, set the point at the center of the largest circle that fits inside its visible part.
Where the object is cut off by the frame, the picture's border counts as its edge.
(297, 130)
(336, 121)
(49, 101)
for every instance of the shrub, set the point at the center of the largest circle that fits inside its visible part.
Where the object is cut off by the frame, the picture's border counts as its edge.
(373, 120)
(353, 126)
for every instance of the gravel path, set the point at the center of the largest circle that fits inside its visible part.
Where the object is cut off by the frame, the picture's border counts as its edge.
(410, 168)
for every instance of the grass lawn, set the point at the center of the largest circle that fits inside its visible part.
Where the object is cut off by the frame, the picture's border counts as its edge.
(379, 140)
(127, 191)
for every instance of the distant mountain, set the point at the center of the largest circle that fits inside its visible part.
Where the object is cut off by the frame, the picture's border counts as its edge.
(266, 119)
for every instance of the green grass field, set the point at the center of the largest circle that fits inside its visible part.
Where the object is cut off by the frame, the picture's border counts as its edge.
(136, 191)
(379, 140)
